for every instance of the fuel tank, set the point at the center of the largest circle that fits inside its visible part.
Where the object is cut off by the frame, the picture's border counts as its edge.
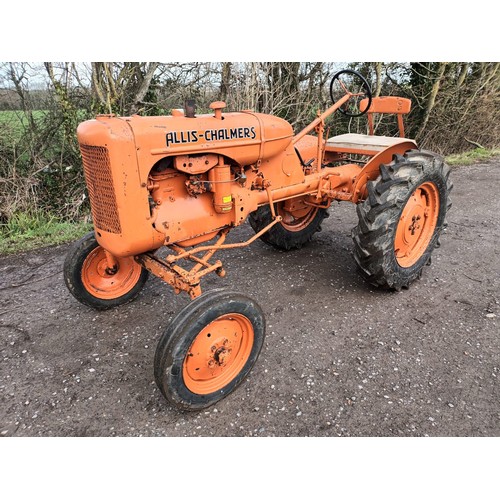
(245, 137)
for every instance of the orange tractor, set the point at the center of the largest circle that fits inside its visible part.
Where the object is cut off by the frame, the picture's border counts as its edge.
(180, 183)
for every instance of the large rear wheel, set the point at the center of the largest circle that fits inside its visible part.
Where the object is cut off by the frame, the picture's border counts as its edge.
(92, 282)
(208, 349)
(402, 218)
(297, 227)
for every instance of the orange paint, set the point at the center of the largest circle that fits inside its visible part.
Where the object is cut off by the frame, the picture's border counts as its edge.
(417, 224)
(389, 105)
(218, 353)
(105, 282)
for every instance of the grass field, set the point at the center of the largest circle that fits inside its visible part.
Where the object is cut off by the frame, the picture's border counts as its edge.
(14, 123)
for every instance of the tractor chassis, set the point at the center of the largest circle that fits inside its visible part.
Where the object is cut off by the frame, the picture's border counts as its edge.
(183, 280)
(342, 183)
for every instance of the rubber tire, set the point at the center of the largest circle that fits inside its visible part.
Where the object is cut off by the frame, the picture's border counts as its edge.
(379, 215)
(278, 236)
(183, 329)
(72, 271)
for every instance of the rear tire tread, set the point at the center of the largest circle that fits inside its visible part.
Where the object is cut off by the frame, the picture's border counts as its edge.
(379, 214)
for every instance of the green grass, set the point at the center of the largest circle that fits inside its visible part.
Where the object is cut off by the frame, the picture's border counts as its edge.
(26, 232)
(470, 157)
(16, 122)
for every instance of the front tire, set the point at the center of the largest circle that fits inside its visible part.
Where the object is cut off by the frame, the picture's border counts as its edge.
(90, 281)
(208, 349)
(402, 218)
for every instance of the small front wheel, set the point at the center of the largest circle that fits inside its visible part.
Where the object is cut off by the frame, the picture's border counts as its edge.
(91, 282)
(208, 349)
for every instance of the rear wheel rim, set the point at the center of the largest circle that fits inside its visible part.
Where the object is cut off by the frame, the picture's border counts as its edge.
(218, 354)
(298, 219)
(103, 283)
(417, 224)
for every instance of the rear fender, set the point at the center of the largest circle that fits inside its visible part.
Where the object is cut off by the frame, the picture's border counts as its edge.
(372, 169)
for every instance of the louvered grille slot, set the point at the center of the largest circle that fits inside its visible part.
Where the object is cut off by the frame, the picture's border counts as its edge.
(96, 166)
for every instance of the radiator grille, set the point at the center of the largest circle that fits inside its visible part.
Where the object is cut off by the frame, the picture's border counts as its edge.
(97, 171)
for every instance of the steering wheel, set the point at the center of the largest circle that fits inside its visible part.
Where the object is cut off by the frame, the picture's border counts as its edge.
(364, 91)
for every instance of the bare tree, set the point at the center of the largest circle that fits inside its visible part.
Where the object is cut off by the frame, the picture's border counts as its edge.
(121, 87)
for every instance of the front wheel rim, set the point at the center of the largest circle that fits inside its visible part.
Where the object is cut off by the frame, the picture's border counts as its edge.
(103, 283)
(218, 354)
(417, 224)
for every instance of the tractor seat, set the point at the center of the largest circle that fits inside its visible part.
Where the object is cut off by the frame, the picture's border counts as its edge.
(361, 144)
(373, 144)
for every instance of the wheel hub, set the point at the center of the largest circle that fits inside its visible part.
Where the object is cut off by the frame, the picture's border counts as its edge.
(218, 353)
(111, 270)
(414, 224)
(107, 282)
(221, 355)
(417, 224)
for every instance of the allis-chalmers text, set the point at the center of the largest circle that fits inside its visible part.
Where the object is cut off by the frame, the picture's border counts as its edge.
(224, 134)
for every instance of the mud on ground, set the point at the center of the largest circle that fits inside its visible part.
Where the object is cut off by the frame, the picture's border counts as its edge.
(340, 358)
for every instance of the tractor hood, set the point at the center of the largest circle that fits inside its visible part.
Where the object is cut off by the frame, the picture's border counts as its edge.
(245, 137)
